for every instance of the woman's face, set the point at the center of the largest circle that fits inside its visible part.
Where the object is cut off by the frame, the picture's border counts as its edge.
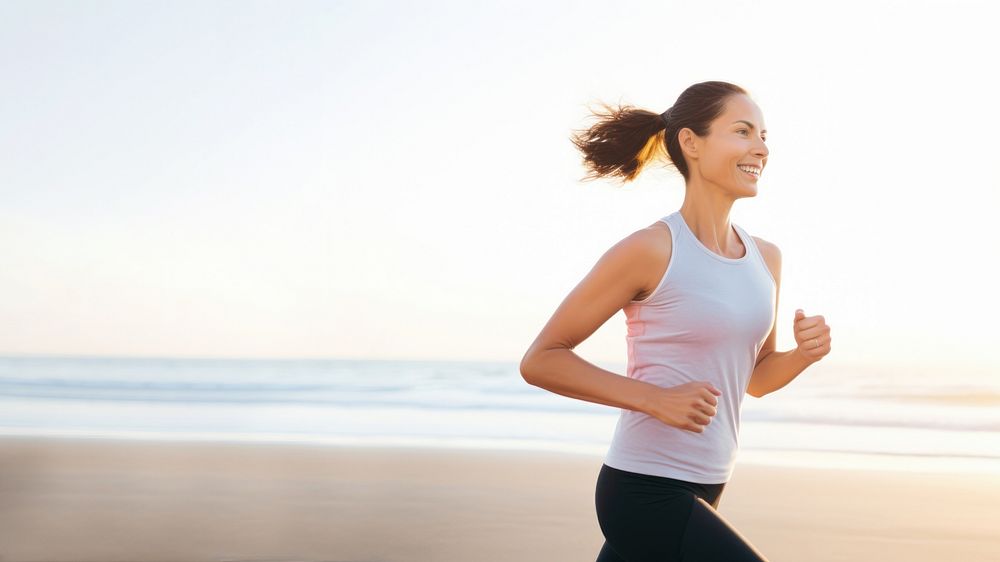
(735, 140)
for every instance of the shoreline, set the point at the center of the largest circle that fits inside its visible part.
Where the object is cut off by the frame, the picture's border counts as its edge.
(73, 499)
(774, 458)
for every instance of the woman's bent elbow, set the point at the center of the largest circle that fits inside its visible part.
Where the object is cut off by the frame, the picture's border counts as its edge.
(531, 366)
(526, 369)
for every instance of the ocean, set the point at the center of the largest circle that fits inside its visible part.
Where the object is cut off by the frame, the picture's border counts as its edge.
(831, 416)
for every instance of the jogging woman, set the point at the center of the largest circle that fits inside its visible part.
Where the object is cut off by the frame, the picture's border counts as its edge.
(700, 297)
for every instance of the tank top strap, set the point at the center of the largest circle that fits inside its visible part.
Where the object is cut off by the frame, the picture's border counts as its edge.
(750, 243)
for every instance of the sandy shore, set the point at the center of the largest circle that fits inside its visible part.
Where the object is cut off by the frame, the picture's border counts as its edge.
(104, 500)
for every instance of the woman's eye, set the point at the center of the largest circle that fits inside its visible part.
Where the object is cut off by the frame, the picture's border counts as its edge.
(747, 131)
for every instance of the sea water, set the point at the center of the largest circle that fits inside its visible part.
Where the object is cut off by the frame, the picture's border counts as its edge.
(830, 416)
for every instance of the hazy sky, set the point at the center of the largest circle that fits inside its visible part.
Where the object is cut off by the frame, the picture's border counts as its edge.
(395, 180)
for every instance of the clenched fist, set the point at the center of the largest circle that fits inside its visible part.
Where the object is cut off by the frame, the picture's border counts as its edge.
(812, 334)
(689, 406)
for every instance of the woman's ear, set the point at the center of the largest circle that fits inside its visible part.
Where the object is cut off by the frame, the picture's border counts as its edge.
(689, 143)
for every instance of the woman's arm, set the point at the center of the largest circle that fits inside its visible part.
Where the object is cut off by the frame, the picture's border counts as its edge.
(622, 273)
(633, 266)
(773, 370)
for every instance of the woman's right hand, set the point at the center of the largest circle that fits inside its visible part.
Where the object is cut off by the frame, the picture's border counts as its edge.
(688, 406)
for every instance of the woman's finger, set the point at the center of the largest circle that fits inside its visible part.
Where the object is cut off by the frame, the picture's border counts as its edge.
(812, 333)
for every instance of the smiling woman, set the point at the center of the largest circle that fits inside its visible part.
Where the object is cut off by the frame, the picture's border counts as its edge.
(700, 299)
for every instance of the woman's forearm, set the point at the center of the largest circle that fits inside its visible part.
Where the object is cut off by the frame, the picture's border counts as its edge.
(775, 371)
(564, 372)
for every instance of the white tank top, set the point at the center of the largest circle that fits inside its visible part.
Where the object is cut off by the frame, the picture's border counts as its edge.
(705, 321)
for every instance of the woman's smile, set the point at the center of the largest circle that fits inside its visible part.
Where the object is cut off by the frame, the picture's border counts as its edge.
(755, 173)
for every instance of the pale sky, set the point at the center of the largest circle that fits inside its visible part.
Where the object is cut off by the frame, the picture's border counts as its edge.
(395, 180)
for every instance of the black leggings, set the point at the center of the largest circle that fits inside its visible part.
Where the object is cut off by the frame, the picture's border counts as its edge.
(654, 518)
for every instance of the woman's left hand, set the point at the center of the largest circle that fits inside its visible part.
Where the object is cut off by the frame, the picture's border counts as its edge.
(812, 335)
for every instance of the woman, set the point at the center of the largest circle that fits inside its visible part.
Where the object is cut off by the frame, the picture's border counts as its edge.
(700, 297)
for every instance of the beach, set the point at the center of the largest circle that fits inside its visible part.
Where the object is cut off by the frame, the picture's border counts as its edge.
(80, 499)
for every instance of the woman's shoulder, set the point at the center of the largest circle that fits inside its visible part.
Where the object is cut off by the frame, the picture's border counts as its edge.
(768, 249)
(772, 257)
(653, 241)
(650, 249)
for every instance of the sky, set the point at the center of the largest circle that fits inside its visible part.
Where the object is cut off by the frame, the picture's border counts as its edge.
(395, 180)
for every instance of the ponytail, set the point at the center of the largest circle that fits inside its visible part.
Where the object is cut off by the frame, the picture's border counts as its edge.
(625, 139)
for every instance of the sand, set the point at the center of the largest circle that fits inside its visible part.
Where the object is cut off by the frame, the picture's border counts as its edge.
(116, 500)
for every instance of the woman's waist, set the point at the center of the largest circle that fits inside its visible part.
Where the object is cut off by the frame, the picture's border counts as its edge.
(664, 482)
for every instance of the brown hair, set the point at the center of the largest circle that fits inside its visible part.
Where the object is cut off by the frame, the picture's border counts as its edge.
(625, 139)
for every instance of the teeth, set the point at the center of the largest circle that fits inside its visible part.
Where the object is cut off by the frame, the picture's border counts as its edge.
(750, 169)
